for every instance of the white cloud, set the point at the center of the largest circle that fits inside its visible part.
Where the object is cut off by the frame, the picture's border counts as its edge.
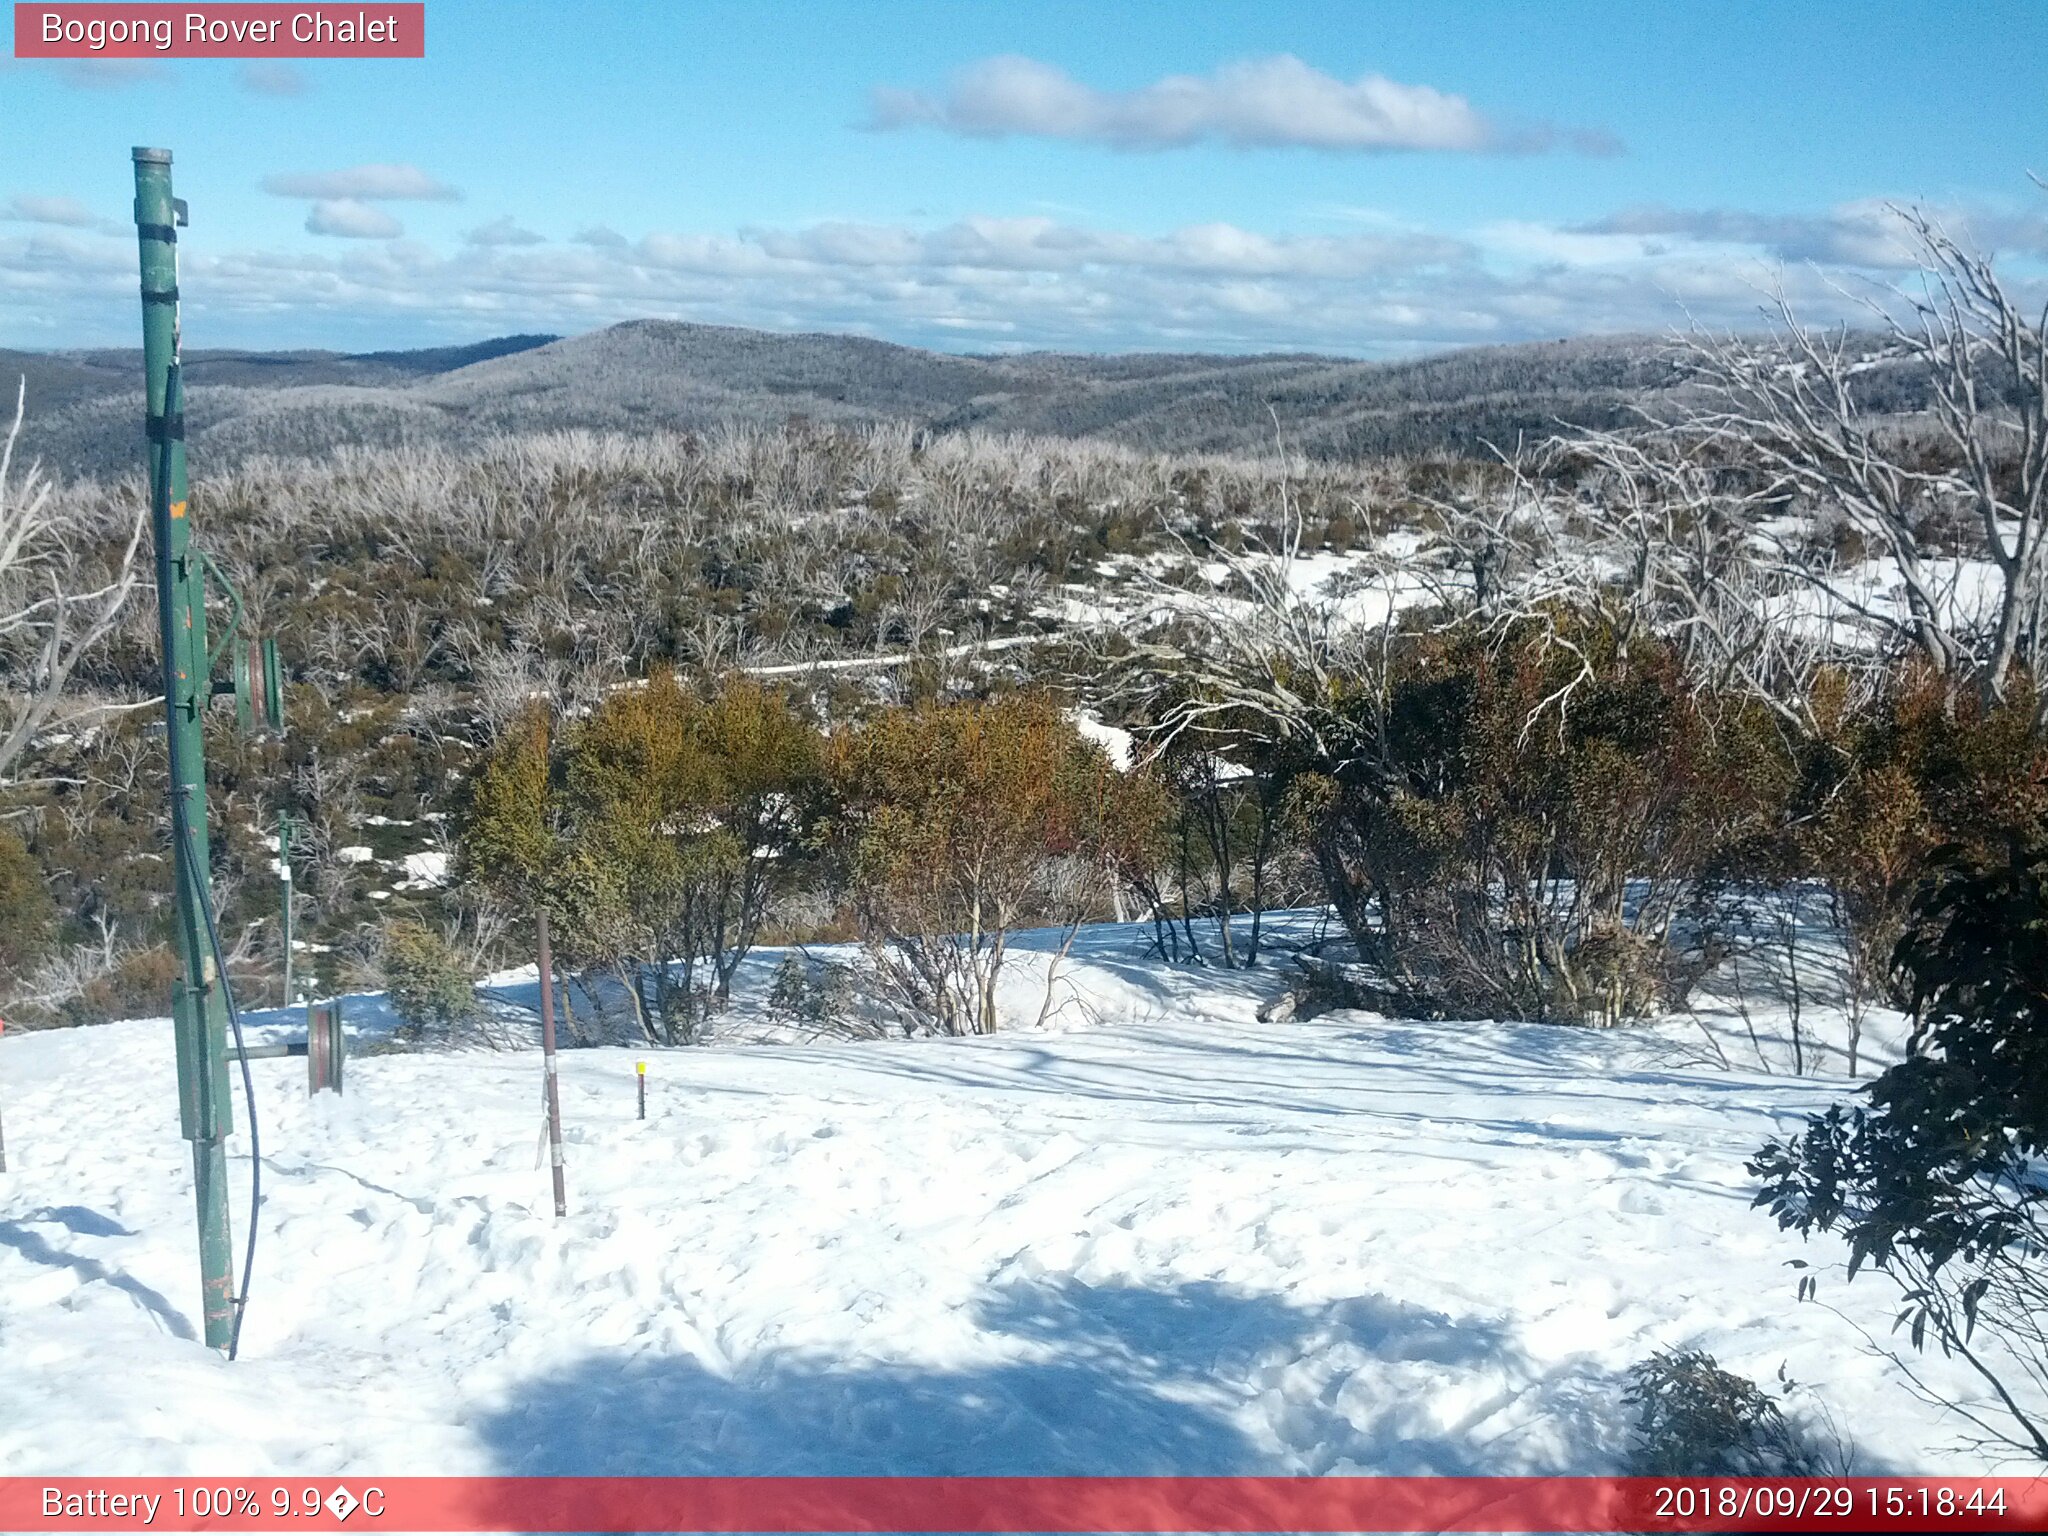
(27, 209)
(111, 74)
(1047, 245)
(1867, 234)
(352, 220)
(375, 183)
(975, 283)
(1861, 235)
(504, 231)
(1523, 240)
(1255, 103)
(273, 77)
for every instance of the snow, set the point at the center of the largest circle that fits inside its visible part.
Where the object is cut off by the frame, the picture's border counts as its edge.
(890, 659)
(1117, 744)
(424, 871)
(1158, 1237)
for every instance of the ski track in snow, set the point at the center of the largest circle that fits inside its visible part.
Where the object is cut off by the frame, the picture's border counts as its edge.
(1177, 1241)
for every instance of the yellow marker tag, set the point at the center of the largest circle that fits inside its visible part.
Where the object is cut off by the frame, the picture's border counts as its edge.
(640, 1067)
(177, 509)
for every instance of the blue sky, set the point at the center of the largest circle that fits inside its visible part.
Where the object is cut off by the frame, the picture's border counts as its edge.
(1359, 178)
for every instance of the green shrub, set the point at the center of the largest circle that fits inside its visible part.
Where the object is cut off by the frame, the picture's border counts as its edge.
(807, 992)
(1934, 1180)
(658, 831)
(138, 985)
(1694, 1419)
(429, 982)
(1915, 771)
(28, 917)
(1535, 824)
(957, 823)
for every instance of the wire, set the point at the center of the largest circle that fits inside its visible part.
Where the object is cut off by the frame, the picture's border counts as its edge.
(181, 825)
(227, 992)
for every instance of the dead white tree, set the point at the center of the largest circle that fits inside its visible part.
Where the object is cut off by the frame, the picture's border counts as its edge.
(1263, 643)
(51, 612)
(1793, 408)
(1669, 545)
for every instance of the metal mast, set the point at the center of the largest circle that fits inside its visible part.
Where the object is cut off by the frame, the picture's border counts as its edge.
(198, 1003)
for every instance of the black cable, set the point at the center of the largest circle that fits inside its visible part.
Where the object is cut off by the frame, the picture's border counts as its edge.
(181, 826)
(227, 992)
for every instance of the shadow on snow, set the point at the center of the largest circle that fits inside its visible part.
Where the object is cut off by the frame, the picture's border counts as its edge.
(1117, 1380)
(22, 1237)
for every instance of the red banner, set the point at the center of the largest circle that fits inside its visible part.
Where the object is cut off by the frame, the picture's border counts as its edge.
(233, 31)
(998, 1504)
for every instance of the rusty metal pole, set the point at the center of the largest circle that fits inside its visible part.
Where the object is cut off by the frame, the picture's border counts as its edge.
(547, 1050)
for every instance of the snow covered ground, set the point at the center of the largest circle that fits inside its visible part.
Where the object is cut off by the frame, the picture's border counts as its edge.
(1160, 1237)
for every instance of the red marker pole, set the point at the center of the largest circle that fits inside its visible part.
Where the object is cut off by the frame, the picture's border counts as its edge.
(547, 1050)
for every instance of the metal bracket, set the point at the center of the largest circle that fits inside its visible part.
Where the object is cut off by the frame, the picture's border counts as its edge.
(219, 648)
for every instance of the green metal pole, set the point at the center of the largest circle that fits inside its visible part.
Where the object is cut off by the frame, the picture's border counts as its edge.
(198, 1009)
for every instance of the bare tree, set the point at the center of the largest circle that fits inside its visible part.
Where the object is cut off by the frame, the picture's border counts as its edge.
(1680, 546)
(1788, 426)
(52, 612)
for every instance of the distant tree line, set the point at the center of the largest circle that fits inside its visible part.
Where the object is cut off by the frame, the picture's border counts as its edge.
(422, 598)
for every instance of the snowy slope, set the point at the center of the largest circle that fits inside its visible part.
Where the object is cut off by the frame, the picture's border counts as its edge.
(1173, 1240)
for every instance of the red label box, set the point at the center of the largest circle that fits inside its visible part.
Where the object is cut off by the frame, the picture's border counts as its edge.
(1243, 1505)
(370, 30)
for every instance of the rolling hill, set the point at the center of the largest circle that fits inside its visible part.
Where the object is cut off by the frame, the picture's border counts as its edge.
(84, 407)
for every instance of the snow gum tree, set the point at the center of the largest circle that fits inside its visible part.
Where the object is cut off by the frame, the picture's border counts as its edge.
(659, 831)
(956, 824)
(1228, 828)
(1533, 829)
(508, 838)
(699, 805)
(1937, 529)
